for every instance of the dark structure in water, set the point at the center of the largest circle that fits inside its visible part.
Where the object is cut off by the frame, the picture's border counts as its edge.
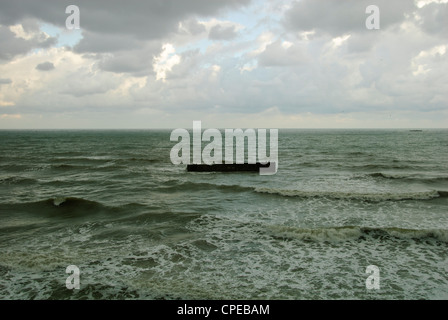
(234, 167)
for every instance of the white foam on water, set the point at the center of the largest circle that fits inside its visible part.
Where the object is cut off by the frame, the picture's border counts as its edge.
(57, 201)
(222, 258)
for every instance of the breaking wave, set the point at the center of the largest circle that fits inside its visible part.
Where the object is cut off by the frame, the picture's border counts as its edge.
(394, 176)
(67, 207)
(423, 195)
(177, 185)
(355, 232)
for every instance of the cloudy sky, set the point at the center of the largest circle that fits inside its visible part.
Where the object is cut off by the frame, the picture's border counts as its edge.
(228, 63)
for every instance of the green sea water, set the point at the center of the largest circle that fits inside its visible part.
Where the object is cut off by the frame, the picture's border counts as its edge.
(139, 227)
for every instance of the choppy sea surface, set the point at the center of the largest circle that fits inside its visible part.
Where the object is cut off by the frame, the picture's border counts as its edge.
(139, 227)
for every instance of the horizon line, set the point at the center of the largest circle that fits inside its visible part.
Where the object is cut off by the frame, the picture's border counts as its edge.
(205, 128)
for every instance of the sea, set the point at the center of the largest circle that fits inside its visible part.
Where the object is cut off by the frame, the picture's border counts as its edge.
(112, 204)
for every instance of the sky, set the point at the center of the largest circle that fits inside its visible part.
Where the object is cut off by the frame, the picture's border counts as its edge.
(229, 63)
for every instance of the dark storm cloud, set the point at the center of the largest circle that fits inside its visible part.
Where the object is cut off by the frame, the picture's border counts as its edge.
(193, 26)
(136, 62)
(45, 66)
(120, 29)
(345, 16)
(100, 43)
(142, 19)
(11, 45)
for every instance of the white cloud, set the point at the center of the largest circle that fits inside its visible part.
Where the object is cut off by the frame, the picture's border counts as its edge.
(422, 63)
(422, 3)
(338, 41)
(215, 69)
(263, 40)
(19, 32)
(165, 61)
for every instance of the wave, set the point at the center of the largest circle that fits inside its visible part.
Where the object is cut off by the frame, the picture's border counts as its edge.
(385, 175)
(100, 164)
(336, 234)
(360, 153)
(394, 176)
(17, 180)
(177, 185)
(70, 206)
(83, 159)
(107, 166)
(188, 186)
(64, 207)
(67, 167)
(423, 195)
(443, 194)
(135, 159)
(383, 166)
(14, 167)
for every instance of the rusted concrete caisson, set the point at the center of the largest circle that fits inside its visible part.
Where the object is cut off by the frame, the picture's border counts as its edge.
(234, 167)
